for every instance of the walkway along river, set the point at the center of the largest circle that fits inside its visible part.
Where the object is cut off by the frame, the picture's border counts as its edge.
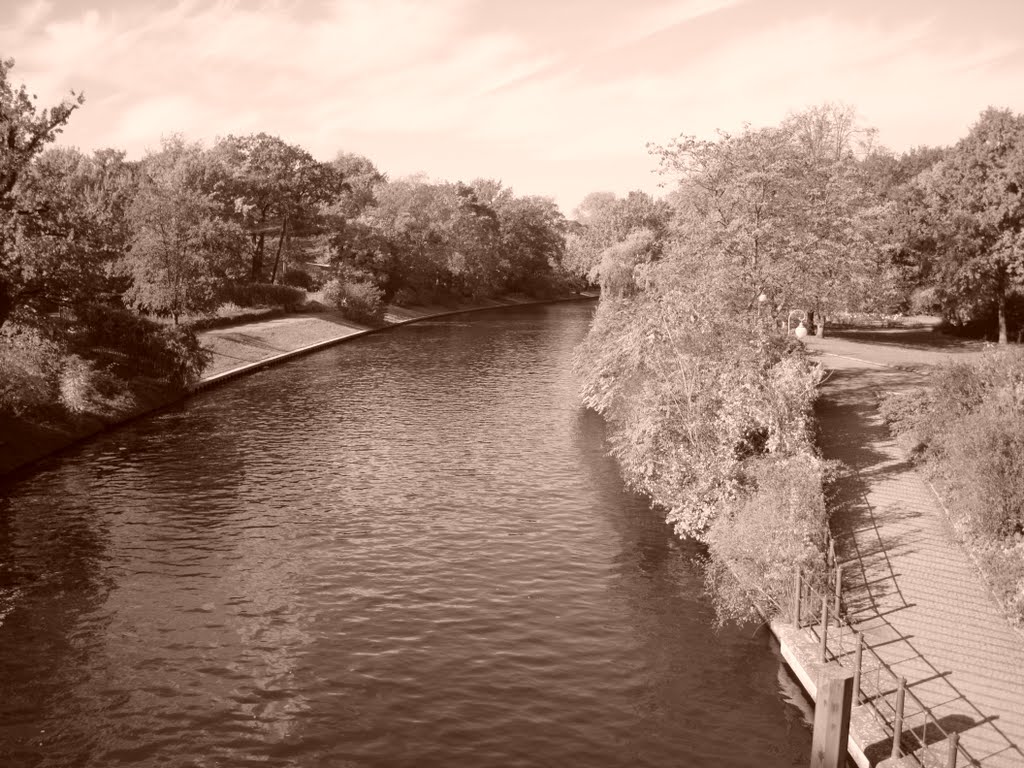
(408, 550)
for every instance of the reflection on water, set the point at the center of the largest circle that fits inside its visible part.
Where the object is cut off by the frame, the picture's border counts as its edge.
(410, 550)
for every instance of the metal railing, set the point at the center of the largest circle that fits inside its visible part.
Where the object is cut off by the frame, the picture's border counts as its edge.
(915, 730)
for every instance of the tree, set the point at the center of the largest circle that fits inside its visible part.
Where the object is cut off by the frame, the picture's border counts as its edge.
(909, 236)
(360, 177)
(81, 202)
(179, 244)
(406, 243)
(24, 133)
(976, 200)
(268, 187)
(780, 211)
(532, 241)
(842, 260)
(602, 220)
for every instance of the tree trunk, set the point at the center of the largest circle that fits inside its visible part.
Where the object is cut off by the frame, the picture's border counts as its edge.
(280, 242)
(1002, 315)
(257, 259)
(6, 302)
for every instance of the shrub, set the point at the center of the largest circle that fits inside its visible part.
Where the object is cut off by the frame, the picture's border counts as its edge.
(904, 412)
(982, 465)
(29, 365)
(359, 301)
(970, 429)
(262, 295)
(86, 389)
(299, 278)
(778, 523)
(75, 384)
(925, 301)
(407, 297)
(184, 358)
(688, 407)
(142, 346)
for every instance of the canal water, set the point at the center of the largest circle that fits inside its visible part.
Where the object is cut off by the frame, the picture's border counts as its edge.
(409, 550)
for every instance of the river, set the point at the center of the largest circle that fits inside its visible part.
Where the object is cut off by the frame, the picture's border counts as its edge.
(406, 550)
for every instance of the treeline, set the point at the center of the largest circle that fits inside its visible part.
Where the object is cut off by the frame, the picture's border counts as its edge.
(106, 262)
(707, 395)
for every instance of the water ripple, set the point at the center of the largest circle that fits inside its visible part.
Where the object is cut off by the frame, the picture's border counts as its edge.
(410, 550)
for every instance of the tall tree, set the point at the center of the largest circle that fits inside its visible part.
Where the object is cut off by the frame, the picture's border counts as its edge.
(976, 198)
(780, 211)
(603, 220)
(532, 241)
(82, 201)
(271, 187)
(179, 243)
(24, 133)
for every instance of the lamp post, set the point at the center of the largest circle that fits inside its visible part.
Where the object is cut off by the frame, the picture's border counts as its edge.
(761, 300)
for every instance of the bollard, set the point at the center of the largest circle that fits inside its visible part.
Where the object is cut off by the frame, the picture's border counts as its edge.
(839, 588)
(831, 718)
(797, 592)
(897, 724)
(858, 655)
(954, 745)
(823, 650)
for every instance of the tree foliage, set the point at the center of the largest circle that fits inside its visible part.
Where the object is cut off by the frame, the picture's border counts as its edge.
(270, 187)
(24, 133)
(975, 198)
(436, 240)
(179, 244)
(784, 211)
(603, 220)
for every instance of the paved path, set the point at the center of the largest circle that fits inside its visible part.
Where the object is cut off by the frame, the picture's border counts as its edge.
(907, 585)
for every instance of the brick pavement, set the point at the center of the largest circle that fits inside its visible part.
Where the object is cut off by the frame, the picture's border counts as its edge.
(908, 585)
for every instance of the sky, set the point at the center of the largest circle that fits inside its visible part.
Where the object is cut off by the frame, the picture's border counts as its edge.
(552, 97)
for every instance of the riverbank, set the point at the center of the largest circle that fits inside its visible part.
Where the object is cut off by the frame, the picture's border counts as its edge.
(237, 349)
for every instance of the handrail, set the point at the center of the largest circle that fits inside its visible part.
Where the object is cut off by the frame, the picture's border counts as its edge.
(821, 612)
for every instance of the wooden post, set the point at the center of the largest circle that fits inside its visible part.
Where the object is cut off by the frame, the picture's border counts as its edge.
(823, 630)
(831, 718)
(954, 745)
(897, 725)
(839, 588)
(831, 551)
(797, 593)
(857, 658)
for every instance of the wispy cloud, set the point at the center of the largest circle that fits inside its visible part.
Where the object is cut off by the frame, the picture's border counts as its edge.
(552, 97)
